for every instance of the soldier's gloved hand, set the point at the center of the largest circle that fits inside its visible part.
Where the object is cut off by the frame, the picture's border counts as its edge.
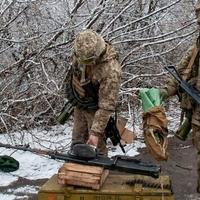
(93, 140)
(163, 94)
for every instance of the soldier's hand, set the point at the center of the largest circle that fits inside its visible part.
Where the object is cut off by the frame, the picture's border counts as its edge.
(93, 140)
(163, 94)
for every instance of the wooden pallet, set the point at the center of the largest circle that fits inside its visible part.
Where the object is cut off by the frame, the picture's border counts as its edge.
(82, 175)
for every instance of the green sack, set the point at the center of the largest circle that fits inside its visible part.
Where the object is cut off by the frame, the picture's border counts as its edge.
(8, 164)
(150, 98)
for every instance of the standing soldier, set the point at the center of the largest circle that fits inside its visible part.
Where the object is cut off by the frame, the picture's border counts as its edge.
(94, 88)
(189, 69)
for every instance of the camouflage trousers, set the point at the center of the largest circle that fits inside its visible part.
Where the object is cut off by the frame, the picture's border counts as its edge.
(196, 141)
(83, 120)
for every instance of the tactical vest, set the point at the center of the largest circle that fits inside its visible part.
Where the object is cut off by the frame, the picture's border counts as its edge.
(87, 102)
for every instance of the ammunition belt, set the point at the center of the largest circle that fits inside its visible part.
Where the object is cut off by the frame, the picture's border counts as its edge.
(149, 184)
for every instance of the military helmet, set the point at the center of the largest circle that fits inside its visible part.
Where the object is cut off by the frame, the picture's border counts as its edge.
(88, 46)
(197, 11)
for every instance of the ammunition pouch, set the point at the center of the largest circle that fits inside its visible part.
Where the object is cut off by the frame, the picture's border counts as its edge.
(90, 90)
(88, 103)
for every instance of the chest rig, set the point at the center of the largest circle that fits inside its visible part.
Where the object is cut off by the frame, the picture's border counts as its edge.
(81, 91)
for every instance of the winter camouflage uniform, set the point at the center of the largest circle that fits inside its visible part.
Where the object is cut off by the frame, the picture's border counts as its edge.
(189, 69)
(95, 66)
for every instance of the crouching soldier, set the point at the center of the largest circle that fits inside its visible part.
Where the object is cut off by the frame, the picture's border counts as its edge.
(95, 83)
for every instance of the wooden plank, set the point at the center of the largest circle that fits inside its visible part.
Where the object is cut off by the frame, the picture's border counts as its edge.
(83, 168)
(104, 176)
(78, 178)
(82, 175)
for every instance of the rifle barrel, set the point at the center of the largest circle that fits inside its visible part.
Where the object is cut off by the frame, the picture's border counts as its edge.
(191, 91)
(125, 164)
(25, 148)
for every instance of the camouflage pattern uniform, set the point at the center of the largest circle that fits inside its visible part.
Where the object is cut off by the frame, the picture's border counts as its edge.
(103, 71)
(192, 76)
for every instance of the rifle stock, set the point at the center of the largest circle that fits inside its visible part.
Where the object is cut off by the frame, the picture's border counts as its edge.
(191, 91)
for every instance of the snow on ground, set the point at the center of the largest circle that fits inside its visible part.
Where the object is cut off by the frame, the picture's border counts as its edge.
(33, 166)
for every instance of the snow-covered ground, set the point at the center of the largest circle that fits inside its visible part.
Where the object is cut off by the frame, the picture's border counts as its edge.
(33, 166)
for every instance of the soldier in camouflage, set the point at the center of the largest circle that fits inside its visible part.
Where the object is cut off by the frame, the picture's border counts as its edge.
(96, 77)
(189, 69)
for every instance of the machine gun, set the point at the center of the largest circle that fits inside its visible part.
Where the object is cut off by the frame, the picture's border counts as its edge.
(119, 163)
(191, 91)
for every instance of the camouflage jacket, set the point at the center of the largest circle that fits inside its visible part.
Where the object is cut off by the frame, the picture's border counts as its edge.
(105, 77)
(192, 77)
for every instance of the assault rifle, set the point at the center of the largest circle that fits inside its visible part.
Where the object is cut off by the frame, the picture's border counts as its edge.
(112, 132)
(191, 91)
(119, 163)
(65, 113)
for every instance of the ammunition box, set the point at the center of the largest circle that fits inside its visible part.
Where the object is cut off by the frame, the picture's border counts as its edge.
(116, 187)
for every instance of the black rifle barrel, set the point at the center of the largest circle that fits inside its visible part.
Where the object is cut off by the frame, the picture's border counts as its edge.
(191, 91)
(119, 163)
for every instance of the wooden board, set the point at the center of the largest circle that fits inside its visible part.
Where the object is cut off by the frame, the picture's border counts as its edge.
(82, 175)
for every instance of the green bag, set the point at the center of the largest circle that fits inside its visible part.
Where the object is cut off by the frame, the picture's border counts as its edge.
(8, 164)
(150, 98)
